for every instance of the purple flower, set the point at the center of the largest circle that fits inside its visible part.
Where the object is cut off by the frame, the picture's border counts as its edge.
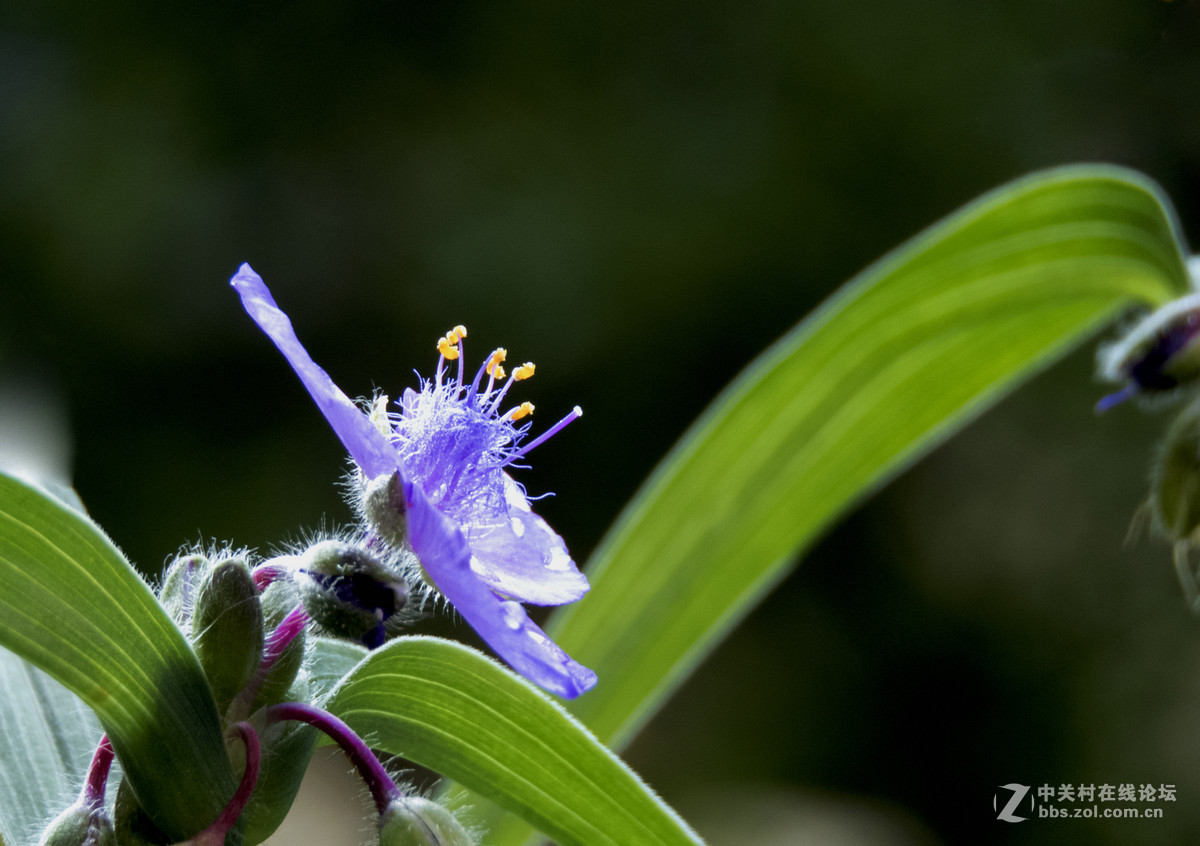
(466, 520)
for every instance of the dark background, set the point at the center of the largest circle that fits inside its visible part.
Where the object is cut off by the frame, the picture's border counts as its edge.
(639, 197)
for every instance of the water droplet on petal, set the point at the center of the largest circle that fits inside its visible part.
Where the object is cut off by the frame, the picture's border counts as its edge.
(559, 560)
(513, 614)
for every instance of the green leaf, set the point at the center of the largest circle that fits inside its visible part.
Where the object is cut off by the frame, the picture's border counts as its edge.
(447, 707)
(894, 363)
(72, 605)
(890, 366)
(47, 736)
(327, 661)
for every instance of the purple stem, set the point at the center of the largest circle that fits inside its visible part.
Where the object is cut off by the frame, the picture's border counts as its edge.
(215, 833)
(383, 789)
(97, 778)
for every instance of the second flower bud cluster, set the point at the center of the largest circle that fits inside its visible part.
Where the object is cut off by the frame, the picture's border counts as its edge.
(247, 625)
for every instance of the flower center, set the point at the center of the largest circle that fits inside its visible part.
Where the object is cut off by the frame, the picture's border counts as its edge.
(452, 437)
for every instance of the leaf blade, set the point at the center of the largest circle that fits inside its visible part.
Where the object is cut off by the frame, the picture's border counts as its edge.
(73, 606)
(894, 362)
(450, 708)
(46, 737)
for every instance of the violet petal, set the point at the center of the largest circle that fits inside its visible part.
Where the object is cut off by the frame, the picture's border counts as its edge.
(367, 445)
(444, 553)
(519, 556)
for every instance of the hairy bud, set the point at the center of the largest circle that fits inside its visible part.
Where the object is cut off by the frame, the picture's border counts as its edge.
(227, 629)
(383, 508)
(80, 825)
(416, 821)
(349, 593)
(181, 585)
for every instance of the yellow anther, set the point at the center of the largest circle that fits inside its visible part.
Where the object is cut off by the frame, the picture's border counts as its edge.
(524, 371)
(493, 365)
(459, 331)
(523, 410)
(379, 414)
(447, 347)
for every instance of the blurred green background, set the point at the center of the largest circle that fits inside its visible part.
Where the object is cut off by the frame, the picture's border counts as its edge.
(638, 197)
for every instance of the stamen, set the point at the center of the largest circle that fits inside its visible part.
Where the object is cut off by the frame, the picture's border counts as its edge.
(493, 365)
(523, 410)
(461, 357)
(448, 346)
(518, 374)
(575, 414)
(379, 415)
(494, 370)
(488, 367)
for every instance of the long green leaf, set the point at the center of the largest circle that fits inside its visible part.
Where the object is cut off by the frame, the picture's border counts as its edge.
(447, 707)
(890, 366)
(71, 604)
(47, 736)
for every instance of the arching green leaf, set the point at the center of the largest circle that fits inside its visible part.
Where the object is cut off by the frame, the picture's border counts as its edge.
(71, 604)
(450, 708)
(890, 366)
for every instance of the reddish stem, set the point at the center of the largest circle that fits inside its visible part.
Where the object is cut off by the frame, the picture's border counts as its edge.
(383, 789)
(97, 777)
(216, 833)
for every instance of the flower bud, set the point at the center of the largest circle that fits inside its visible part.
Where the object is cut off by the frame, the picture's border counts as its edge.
(227, 629)
(279, 600)
(383, 508)
(349, 593)
(80, 825)
(416, 821)
(1175, 488)
(1159, 354)
(181, 585)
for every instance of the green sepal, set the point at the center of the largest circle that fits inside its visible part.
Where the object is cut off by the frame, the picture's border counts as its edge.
(1175, 484)
(79, 825)
(181, 586)
(227, 630)
(279, 600)
(417, 821)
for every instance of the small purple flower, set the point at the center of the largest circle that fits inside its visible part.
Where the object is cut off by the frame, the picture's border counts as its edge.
(467, 521)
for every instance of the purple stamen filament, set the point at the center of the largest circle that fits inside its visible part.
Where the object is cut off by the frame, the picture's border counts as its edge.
(383, 789)
(512, 377)
(575, 414)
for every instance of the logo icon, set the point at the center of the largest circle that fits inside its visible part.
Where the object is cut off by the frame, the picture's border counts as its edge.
(1018, 796)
